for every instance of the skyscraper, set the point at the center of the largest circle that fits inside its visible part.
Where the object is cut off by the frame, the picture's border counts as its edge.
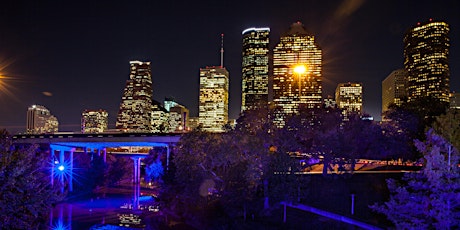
(296, 73)
(426, 52)
(40, 120)
(394, 88)
(213, 102)
(136, 103)
(94, 121)
(255, 68)
(349, 98)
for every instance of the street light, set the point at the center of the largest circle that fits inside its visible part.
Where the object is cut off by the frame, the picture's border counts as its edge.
(300, 70)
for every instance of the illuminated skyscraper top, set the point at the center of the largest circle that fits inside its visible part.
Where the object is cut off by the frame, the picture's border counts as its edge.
(135, 114)
(255, 68)
(294, 87)
(426, 52)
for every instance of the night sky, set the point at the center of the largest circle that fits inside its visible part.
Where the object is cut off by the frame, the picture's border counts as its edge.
(74, 55)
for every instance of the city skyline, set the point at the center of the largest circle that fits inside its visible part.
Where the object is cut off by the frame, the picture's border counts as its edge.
(72, 58)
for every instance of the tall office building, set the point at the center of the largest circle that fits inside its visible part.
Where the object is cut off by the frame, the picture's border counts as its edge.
(349, 98)
(136, 103)
(213, 101)
(40, 120)
(394, 89)
(426, 53)
(94, 121)
(255, 68)
(296, 73)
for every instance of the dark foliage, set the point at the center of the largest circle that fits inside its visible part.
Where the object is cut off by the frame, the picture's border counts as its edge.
(26, 195)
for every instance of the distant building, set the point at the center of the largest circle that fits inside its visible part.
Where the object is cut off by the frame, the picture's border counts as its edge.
(136, 103)
(329, 102)
(213, 101)
(159, 118)
(40, 120)
(255, 68)
(94, 121)
(296, 73)
(178, 119)
(455, 100)
(426, 59)
(394, 89)
(193, 122)
(349, 98)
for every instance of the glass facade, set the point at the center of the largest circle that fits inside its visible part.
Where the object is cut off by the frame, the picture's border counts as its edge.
(255, 68)
(40, 120)
(135, 114)
(349, 98)
(292, 88)
(213, 101)
(426, 52)
(94, 121)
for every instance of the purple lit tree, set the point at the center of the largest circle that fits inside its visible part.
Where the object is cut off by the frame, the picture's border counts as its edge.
(26, 195)
(429, 199)
(155, 170)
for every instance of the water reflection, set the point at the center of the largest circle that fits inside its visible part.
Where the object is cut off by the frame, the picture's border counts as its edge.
(117, 208)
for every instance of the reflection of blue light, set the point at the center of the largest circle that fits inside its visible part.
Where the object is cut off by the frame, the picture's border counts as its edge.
(145, 198)
(56, 162)
(61, 167)
(60, 226)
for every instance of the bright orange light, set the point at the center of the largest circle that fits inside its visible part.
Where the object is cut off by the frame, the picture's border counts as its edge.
(300, 69)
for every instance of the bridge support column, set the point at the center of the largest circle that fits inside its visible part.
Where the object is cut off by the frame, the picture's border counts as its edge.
(137, 170)
(64, 167)
(136, 195)
(167, 157)
(53, 160)
(71, 170)
(61, 164)
(104, 150)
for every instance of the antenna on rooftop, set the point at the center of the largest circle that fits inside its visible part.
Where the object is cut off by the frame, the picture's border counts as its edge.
(222, 51)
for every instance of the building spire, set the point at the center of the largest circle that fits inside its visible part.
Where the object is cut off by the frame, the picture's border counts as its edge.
(222, 51)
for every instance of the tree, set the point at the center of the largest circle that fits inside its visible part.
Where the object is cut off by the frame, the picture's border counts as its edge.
(429, 199)
(233, 173)
(415, 117)
(448, 126)
(155, 170)
(118, 168)
(26, 195)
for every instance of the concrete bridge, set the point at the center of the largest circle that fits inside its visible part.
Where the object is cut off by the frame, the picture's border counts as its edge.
(62, 147)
